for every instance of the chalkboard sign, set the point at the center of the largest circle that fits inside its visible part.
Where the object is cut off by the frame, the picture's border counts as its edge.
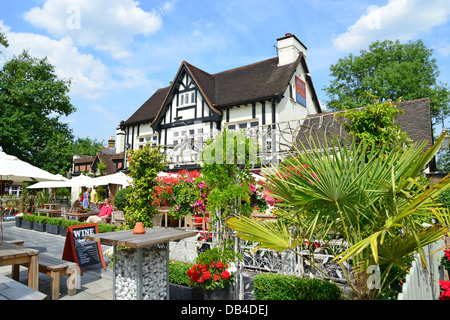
(78, 249)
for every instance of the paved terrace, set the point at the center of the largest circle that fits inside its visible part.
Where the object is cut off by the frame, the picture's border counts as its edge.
(96, 283)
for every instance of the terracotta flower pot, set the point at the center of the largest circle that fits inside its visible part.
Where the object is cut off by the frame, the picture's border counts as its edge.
(139, 228)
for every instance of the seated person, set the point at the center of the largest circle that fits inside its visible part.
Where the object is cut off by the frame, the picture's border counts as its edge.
(105, 211)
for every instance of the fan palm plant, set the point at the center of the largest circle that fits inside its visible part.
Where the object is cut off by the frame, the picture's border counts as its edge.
(377, 201)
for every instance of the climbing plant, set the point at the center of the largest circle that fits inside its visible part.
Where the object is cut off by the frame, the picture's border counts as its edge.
(144, 166)
(226, 164)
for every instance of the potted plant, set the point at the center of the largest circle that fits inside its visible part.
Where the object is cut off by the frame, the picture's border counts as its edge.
(64, 225)
(53, 225)
(214, 273)
(180, 285)
(28, 221)
(39, 223)
(19, 217)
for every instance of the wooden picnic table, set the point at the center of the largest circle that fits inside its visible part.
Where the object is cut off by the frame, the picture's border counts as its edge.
(50, 212)
(84, 215)
(15, 255)
(11, 289)
(49, 205)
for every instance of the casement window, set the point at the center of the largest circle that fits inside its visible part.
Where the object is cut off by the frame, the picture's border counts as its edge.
(15, 191)
(152, 139)
(188, 137)
(186, 99)
(242, 125)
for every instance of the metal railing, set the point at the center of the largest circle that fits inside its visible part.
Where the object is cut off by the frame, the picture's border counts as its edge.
(275, 140)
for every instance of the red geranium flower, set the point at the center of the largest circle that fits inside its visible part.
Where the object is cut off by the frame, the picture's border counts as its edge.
(225, 275)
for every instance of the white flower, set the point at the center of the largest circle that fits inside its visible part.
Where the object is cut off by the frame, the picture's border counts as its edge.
(232, 268)
(109, 253)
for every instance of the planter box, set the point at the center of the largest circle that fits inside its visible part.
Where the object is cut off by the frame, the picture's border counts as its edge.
(62, 230)
(18, 222)
(179, 292)
(39, 226)
(51, 228)
(226, 293)
(27, 224)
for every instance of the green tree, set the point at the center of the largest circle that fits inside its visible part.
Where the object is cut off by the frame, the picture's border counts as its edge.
(32, 100)
(389, 70)
(61, 148)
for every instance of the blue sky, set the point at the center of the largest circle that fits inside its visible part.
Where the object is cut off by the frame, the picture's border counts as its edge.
(118, 52)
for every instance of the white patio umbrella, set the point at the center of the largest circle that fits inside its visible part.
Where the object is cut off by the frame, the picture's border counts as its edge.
(11, 168)
(116, 178)
(79, 181)
(50, 184)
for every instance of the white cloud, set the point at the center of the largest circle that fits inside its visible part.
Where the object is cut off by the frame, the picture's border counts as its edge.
(399, 19)
(108, 25)
(88, 74)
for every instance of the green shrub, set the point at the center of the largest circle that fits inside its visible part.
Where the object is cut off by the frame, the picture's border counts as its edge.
(272, 286)
(178, 273)
(120, 199)
(35, 218)
(55, 221)
(67, 223)
(104, 227)
(28, 217)
(41, 219)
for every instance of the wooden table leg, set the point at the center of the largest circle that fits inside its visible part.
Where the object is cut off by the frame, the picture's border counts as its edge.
(33, 273)
(15, 271)
(54, 284)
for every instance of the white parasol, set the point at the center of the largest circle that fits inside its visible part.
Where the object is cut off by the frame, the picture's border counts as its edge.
(79, 181)
(11, 168)
(116, 178)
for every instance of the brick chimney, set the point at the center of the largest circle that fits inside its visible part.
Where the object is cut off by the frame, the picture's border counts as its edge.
(111, 142)
(289, 47)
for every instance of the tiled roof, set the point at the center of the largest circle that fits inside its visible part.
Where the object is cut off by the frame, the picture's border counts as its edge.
(255, 82)
(148, 111)
(415, 121)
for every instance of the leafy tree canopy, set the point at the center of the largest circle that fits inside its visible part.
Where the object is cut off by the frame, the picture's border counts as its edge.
(389, 70)
(32, 101)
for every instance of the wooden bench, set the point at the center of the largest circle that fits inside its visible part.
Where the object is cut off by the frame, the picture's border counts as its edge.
(14, 290)
(53, 267)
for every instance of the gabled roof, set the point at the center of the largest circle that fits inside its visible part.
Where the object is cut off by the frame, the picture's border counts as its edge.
(256, 82)
(148, 111)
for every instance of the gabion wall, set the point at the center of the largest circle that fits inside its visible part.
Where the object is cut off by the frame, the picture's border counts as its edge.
(154, 274)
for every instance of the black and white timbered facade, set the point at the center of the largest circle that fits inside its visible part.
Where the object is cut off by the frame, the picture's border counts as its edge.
(198, 105)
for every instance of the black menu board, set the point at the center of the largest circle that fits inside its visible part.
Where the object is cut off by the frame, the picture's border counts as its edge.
(78, 249)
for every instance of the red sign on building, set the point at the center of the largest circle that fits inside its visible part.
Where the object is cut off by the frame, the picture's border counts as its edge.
(300, 91)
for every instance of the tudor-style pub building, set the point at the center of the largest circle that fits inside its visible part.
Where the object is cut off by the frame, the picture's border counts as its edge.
(198, 104)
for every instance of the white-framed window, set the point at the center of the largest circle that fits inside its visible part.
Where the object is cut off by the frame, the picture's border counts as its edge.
(186, 98)
(242, 125)
(188, 136)
(151, 138)
(15, 191)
